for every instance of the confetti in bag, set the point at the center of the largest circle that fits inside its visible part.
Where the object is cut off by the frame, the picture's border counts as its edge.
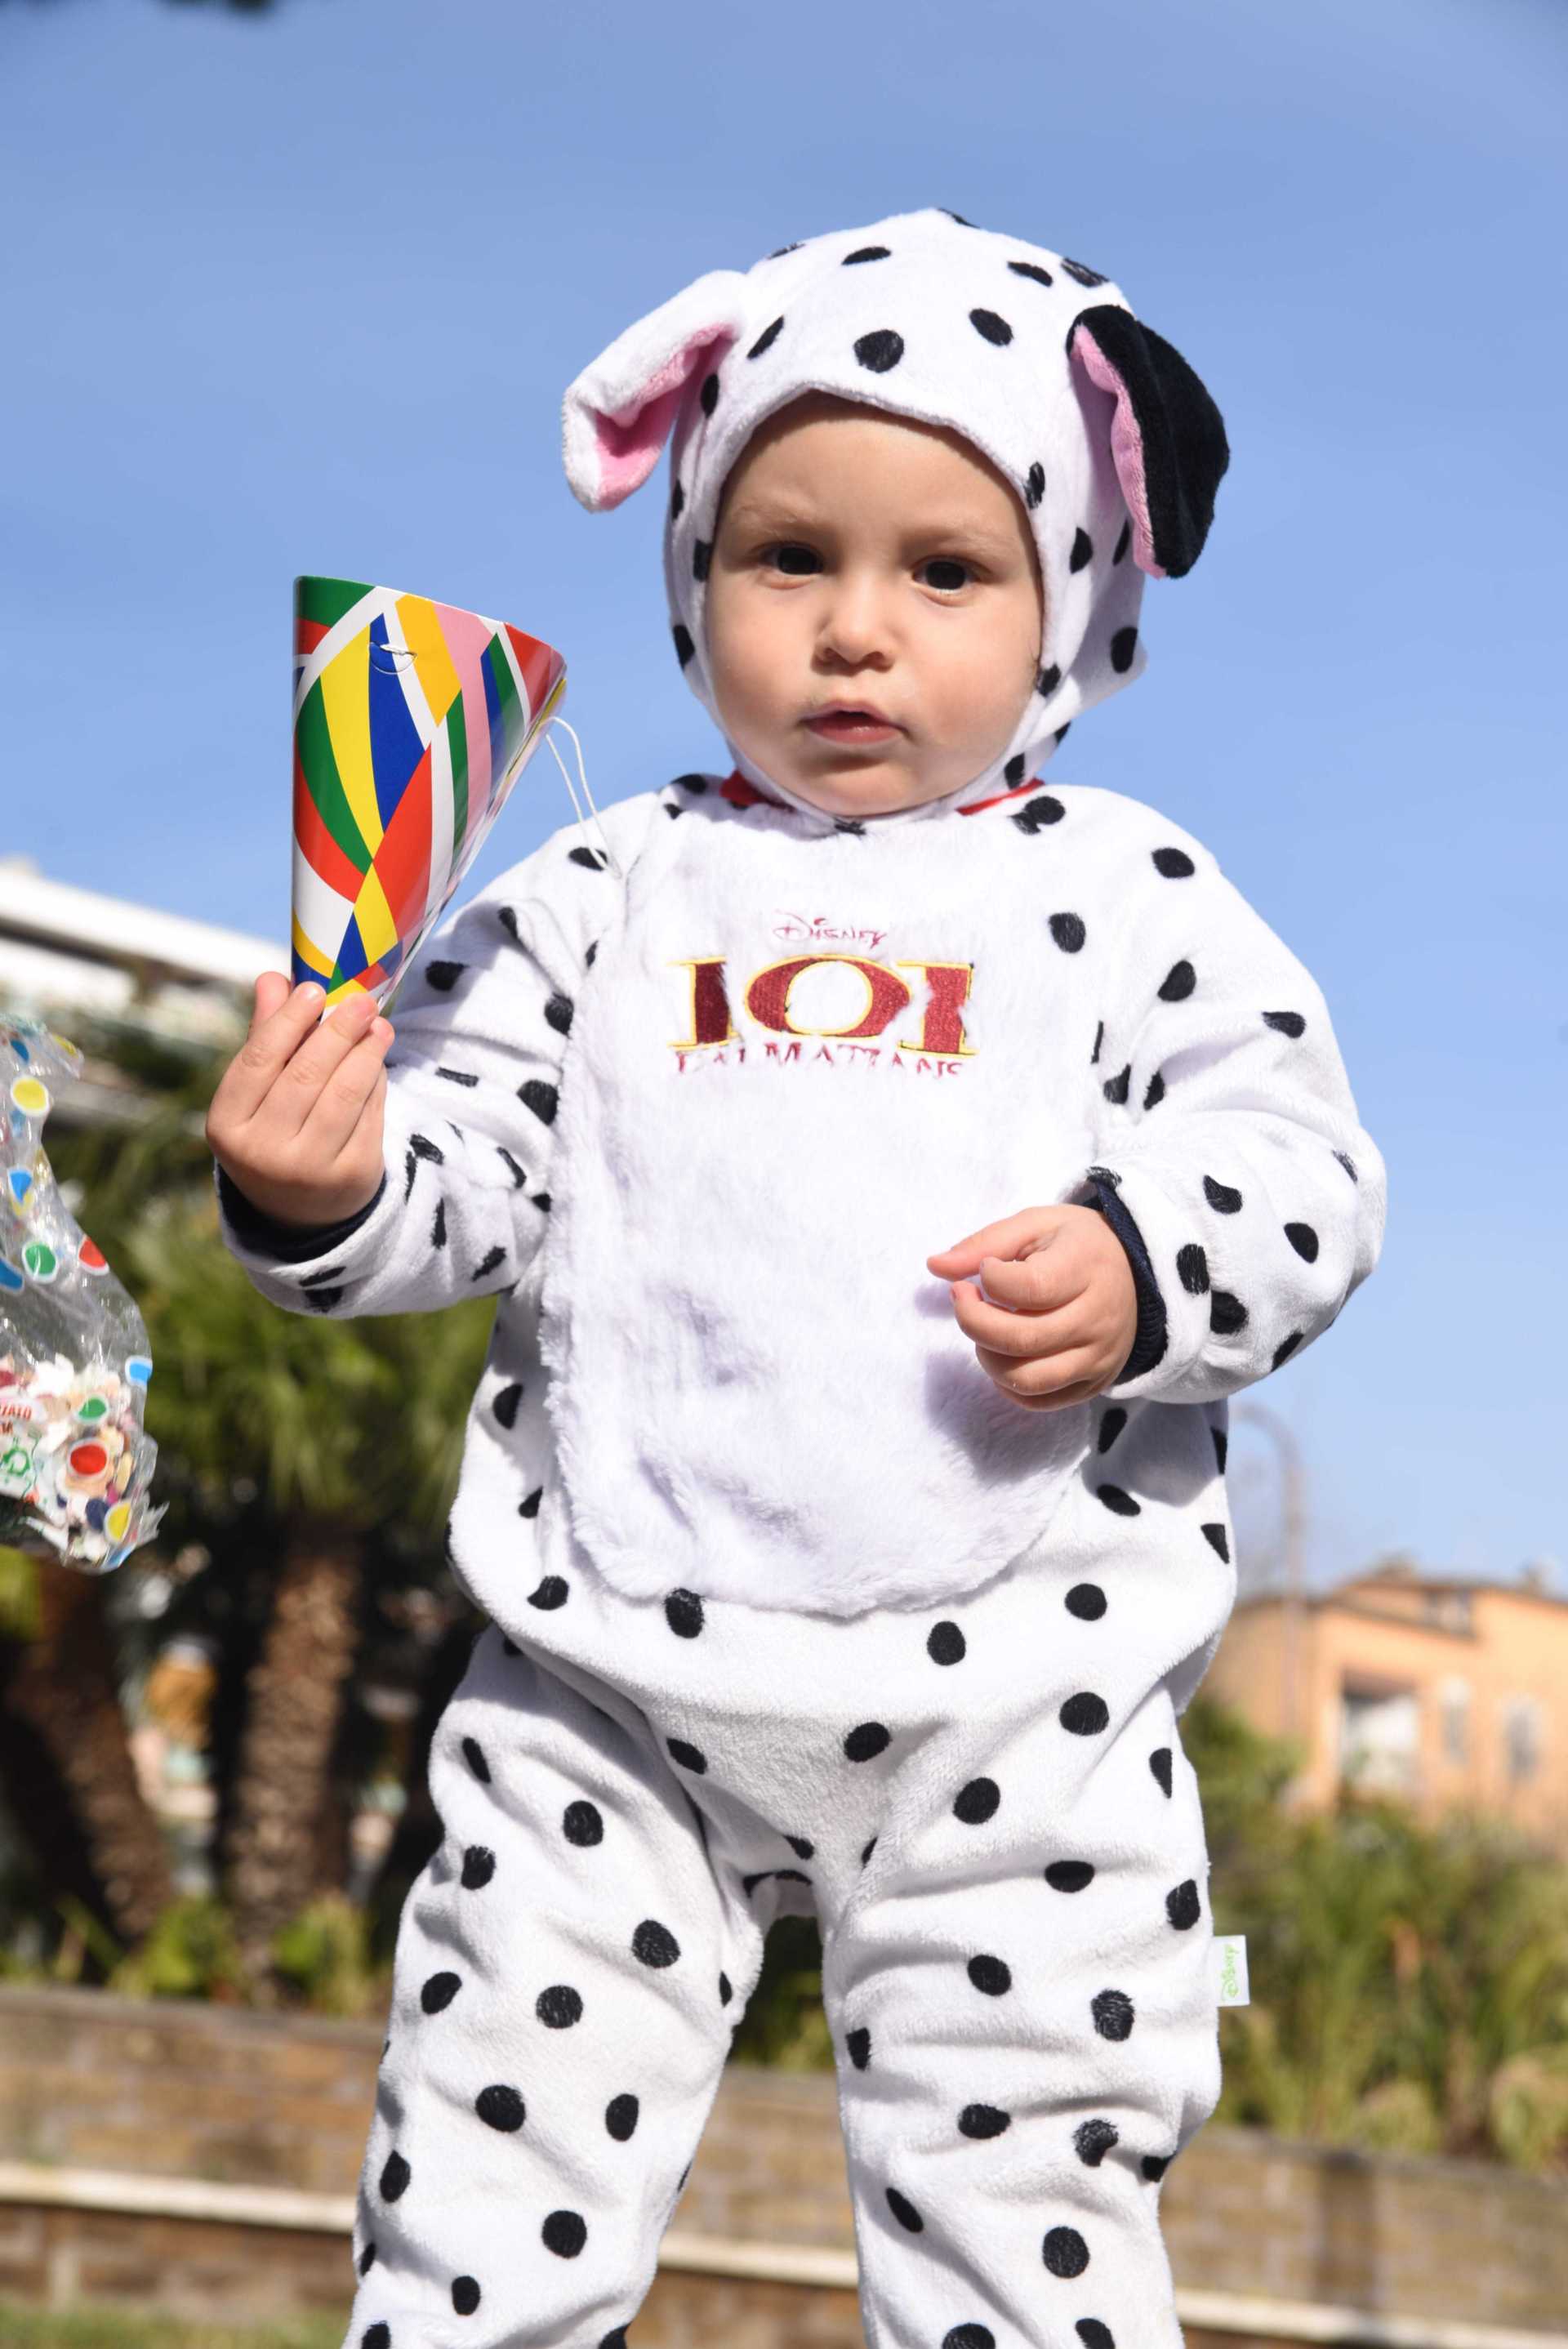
(76, 1461)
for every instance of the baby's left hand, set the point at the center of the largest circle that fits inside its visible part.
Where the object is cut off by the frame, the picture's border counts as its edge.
(1075, 1305)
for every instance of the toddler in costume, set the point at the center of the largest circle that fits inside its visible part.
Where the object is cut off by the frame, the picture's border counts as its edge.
(827, 1573)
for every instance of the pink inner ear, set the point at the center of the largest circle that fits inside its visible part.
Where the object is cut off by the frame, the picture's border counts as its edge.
(631, 438)
(1126, 449)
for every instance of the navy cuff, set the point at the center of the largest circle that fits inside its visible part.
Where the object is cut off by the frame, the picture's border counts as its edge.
(287, 1243)
(1151, 1335)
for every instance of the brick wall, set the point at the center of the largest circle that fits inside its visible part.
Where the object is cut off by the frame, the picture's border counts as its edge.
(190, 2090)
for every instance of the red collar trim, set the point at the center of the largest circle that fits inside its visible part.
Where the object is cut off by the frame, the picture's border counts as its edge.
(743, 794)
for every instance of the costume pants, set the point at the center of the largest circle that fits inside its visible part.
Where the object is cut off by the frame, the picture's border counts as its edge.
(989, 1808)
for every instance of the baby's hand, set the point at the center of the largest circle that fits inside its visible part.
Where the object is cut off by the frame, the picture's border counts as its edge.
(1074, 1307)
(296, 1121)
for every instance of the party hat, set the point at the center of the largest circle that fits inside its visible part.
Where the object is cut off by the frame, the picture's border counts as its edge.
(412, 720)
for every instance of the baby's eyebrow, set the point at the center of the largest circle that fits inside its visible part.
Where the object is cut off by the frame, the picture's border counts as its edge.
(747, 515)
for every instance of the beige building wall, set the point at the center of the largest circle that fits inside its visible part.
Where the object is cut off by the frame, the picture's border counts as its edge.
(1444, 1695)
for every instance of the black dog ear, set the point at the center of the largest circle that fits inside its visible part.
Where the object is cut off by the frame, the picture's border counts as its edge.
(1167, 437)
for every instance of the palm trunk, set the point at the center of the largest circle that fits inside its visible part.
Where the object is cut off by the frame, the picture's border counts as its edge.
(294, 1695)
(69, 1777)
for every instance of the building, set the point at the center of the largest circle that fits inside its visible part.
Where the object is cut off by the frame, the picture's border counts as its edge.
(1443, 1693)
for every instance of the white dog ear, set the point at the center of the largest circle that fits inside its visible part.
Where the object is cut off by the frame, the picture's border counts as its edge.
(620, 411)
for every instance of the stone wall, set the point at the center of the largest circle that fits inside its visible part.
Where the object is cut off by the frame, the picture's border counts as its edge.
(197, 2091)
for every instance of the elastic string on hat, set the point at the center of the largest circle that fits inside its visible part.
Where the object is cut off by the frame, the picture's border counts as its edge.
(609, 853)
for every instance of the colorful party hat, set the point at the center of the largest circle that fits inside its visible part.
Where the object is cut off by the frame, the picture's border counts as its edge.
(412, 720)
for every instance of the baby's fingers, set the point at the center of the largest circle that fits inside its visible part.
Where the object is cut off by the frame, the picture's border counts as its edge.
(340, 1105)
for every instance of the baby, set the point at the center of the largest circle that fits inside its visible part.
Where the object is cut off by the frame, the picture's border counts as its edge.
(830, 1569)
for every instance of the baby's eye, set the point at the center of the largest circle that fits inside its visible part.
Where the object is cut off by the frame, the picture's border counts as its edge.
(791, 548)
(949, 563)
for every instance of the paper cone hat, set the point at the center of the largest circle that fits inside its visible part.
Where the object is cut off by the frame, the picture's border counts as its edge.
(412, 720)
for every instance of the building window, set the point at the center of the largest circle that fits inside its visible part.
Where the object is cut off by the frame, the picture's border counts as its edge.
(1380, 1734)
(1454, 1700)
(1522, 1738)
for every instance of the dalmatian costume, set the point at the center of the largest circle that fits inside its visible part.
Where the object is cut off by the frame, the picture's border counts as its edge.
(791, 1609)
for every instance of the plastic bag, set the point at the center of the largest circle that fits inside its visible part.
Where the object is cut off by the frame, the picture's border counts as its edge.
(76, 1461)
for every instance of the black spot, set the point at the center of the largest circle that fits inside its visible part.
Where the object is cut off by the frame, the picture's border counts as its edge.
(801, 1845)
(1154, 2167)
(1111, 1425)
(1122, 647)
(945, 1644)
(500, 2107)
(995, 329)
(510, 1647)
(858, 2046)
(541, 1200)
(1062, 732)
(1064, 2251)
(1035, 813)
(696, 784)
(410, 1168)
(777, 255)
(1083, 551)
(1092, 2140)
(1285, 1349)
(725, 1989)
(1099, 1041)
(1348, 1165)
(1122, 544)
(1041, 277)
(1156, 1092)
(593, 950)
(478, 1866)
(983, 2120)
(690, 1757)
(1068, 932)
(1075, 269)
(880, 350)
(423, 1147)
(493, 1257)
(974, 2336)
(1047, 682)
(1087, 1600)
(904, 2212)
(465, 2295)
(766, 339)
(1221, 1446)
(1034, 486)
(582, 1822)
(1216, 1537)
(457, 1076)
(473, 1755)
(1069, 1875)
(1122, 1504)
(1160, 1763)
(683, 1613)
(321, 1301)
(617, 2340)
(991, 1975)
(1085, 1714)
(1221, 1197)
(702, 556)
(530, 1507)
(864, 1743)
(709, 394)
(867, 1851)
(1227, 1314)
(564, 2232)
(1178, 983)
(558, 1012)
(1115, 1088)
(552, 1593)
(438, 1992)
(621, 2116)
(1181, 1905)
(368, 2258)
(1012, 772)
(589, 858)
(376, 2336)
(1289, 1024)
(865, 253)
(540, 1098)
(438, 1227)
(1193, 1266)
(1303, 1240)
(444, 975)
(977, 1802)
(395, 2177)
(676, 503)
(1173, 863)
(1112, 2012)
(506, 1402)
(519, 1176)
(653, 1944)
(559, 2007)
(683, 645)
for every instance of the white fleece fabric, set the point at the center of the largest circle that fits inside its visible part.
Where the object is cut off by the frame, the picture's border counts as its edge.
(699, 1135)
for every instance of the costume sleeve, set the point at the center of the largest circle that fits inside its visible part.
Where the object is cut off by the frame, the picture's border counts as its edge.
(1230, 1159)
(473, 1079)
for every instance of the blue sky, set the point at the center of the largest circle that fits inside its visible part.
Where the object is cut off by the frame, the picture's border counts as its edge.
(302, 293)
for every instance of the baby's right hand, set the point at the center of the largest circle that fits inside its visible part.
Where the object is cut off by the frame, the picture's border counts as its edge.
(296, 1121)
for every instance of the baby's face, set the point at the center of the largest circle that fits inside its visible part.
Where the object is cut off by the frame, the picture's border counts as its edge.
(866, 558)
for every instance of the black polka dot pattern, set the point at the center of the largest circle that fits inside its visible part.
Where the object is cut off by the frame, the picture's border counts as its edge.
(977, 1802)
(559, 2007)
(683, 1613)
(864, 1743)
(1221, 1197)
(945, 1644)
(500, 2107)
(1069, 931)
(1085, 1714)
(1215, 1535)
(1289, 1024)
(1083, 551)
(564, 2232)
(438, 1992)
(1303, 1240)
(1159, 1763)
(880, 352)
(1173, 863)
(1087, 1600)
(1112, 2013)
(583, 1823)
(1178, 983)
(690, 1757)
(983, 2121)
(375, 2336)
(1064, 2251)
(1192, 1269)
(991, 1975)
(904, 2212)
(653, 1944)
(1119, 1503)
(1111, 1425)
(858, 2047)
(551, 1593)
(621, 2116)
(1227, 1314)
(394, 2177)
(478, 1866)
(465, 2294)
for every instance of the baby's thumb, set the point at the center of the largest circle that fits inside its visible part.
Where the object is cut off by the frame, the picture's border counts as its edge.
(273, 990)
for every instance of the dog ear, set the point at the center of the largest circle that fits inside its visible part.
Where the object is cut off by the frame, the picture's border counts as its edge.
(1167, 437)
(620, 411)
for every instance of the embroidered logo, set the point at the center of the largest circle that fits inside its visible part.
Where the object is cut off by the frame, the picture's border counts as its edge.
(817, 930)
(767, 1000)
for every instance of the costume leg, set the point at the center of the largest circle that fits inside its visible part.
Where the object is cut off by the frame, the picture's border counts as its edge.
(1020, 1994)
(566, 1978)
